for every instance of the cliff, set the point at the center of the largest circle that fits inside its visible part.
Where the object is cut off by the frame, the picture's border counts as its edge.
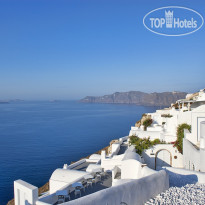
(138, 98)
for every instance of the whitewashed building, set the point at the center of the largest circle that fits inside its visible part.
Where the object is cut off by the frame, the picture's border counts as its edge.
(124, 177)
(164, 127)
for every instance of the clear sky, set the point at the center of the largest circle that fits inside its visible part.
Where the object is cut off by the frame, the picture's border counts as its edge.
(68, 49)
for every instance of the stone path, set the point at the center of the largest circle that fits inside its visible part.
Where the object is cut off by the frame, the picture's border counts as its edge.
(193, 194)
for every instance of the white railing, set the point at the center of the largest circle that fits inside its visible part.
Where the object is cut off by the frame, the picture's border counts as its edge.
(75, 164)
(47, 199)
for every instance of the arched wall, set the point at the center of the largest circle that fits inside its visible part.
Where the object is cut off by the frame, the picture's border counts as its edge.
(149, 155)
(158, 153)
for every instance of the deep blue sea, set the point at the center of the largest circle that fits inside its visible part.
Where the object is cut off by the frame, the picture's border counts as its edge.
(38, 137)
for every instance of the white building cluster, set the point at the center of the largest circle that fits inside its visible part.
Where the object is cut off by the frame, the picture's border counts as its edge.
(123, 176)
(165, 122)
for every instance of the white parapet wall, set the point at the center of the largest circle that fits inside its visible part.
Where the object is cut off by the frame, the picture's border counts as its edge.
(136, 192)
(191, 156)
(145, 134)
(115, 147)
(75, 164)
(25, 193)
(199, 175)
(202, 146)
(47, 199)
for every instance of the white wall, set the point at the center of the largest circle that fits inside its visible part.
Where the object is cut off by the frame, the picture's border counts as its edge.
(184, 117)
(131, 169)
(135, 192)
(200, 175)
(25, 193)
(171, 124)
(150, 154)
(115, 148)
(76, 163)
(47, 199)
(145, 134)
(109, 164)
(163, 112)
(123, 138)
(191, 156)
(197, 117)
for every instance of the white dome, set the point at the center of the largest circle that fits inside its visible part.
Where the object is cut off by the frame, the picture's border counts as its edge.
(67, 175)
(132, 155)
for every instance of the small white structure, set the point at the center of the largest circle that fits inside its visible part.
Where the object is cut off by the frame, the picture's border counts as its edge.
(64, 177)
(94, 168)
(25, 193)
(94, 158)
(131, 166)
(193, 155)
(165, 122)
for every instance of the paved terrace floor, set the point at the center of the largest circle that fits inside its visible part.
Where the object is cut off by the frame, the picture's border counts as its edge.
(104, 183)
(123, 148)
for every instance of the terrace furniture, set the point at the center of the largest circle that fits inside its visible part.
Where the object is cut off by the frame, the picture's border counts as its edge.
(94, 180)
(67, 197)
(77, 184)
(84, 185)
(89, 183)
(61, 199)
(102, 174)
(81, 188)
(77, 192)
(98, 175)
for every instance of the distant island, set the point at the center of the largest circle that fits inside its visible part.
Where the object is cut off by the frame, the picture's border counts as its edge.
(4, 102)
(137, 98)
(9, 101)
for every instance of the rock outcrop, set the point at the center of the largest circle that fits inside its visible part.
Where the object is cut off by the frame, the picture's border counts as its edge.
(138, 98)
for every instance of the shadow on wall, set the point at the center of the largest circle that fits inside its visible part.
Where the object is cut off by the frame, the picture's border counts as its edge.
(155, 163)
(163, 157)
(149, 160)
(161, 163)
(180, 180)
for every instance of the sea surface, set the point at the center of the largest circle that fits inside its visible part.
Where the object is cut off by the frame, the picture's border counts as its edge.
(38, 137)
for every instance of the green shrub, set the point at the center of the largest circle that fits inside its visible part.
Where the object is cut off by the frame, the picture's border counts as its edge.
(180, 135)
(166, 115)
(143, 143)
(156, 141)
(147, 123)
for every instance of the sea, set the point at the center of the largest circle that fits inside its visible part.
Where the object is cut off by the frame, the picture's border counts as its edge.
(38, 137)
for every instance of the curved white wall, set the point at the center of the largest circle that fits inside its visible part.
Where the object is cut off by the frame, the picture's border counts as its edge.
(135, 192)
(191, 156)
(200, 175)
(130, 169)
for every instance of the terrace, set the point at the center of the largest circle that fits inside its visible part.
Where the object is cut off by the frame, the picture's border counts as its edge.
(100, 183)
(104, 183)
(80, 179)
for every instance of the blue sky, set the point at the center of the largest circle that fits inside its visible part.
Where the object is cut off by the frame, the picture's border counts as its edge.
(74, 48)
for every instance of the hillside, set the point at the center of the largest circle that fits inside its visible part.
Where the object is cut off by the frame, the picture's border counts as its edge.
(138, 98)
